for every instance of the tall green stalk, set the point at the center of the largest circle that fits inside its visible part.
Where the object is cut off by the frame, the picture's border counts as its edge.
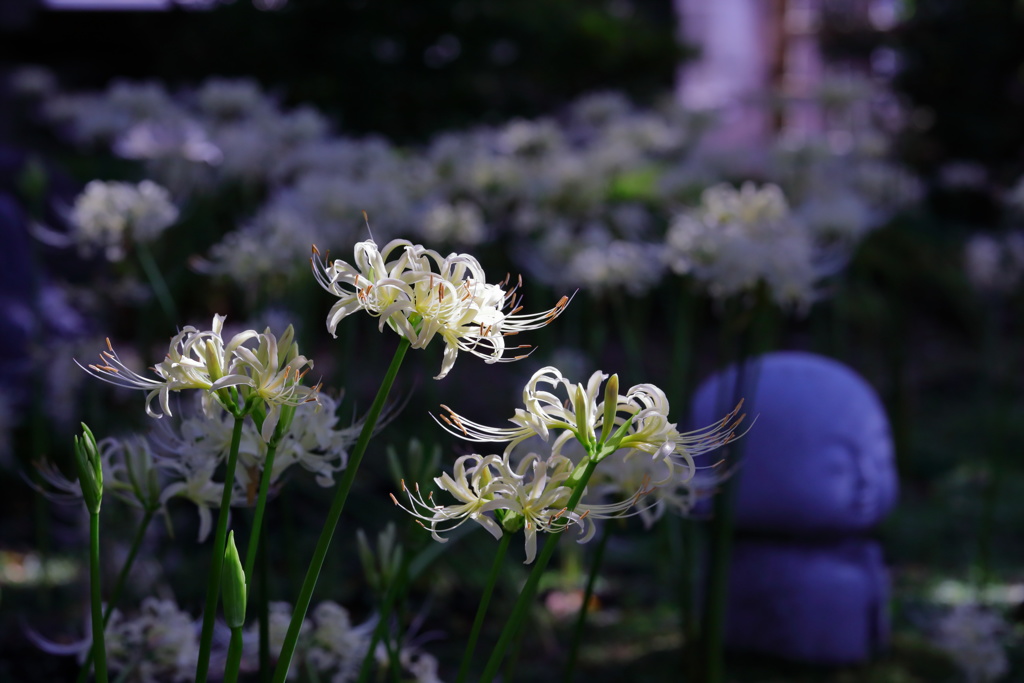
(157, 282)
(481, 611)
(334, 514)
(529, 589)
(754, 334)
(90, 480)
(234, 656)
(263, 608)
(588, 594)
(380, 630)
(217, 556)
(261, 504)
(99, 646)
(115, 595)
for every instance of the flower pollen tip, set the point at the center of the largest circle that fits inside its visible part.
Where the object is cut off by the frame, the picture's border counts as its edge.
(393, 499)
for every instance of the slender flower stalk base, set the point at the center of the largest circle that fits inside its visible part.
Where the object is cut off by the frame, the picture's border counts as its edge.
(261, 505)
(99, 645)
(481, 612)
(380, 631)
(156, 281)
(217, 556)
(754, 336)
(334, 514)
(115, 595)
(588, 593)
(234, 656)
(526, 595)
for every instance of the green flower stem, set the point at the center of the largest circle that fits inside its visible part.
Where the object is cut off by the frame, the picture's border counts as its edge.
(525, 599)
(156, 281)
(989, 394)
(481, 611)
(588, 593)
(689, 572)
(683, 541)
(99, 645)
(334, 514)
(754, 334)
(122, 578)
(379, 632)
(234, 656)
(419, 565)
(217, 559)
(718, 584)
(263, 610)
(261, 504)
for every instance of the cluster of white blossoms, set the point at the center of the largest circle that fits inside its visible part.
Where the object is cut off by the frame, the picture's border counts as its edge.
(974, 636)
(332, 646)
(505, 493)
(239, 378)
(160, 643)
(181, 461)
(420, 295)
(995, 263)
(107, 216)
(738, 240)
(189, 455)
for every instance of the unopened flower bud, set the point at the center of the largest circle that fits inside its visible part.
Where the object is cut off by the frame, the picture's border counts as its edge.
(90, 469)
(233, 585)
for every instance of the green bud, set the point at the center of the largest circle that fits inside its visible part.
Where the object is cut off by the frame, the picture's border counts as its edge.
(584, 430)
(232, 585)
(611, 403)
(367, 559)
(90, 469)
(509, 520)
(383, 566)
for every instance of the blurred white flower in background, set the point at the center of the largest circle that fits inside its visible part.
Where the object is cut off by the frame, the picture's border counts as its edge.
(995, 263)
(975, 637)
(738, 240)
(109, 216)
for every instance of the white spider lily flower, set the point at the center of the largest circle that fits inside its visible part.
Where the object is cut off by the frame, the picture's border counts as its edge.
(196, 359)
(272, 373)
(196, 485)
(664, 486)
(531, 496)
(637, 421)
(474, 483)
(420, 294)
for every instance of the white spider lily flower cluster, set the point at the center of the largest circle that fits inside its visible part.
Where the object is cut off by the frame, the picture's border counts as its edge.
(420, 295)
(109, 215)
(237, 377)
(160, 643)
(665, 487)
(995, 264)
(190, 454)
(332, 647)
(602, 421)
(738, 240)
(975, 637)
(536, 493)
(531, 496)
